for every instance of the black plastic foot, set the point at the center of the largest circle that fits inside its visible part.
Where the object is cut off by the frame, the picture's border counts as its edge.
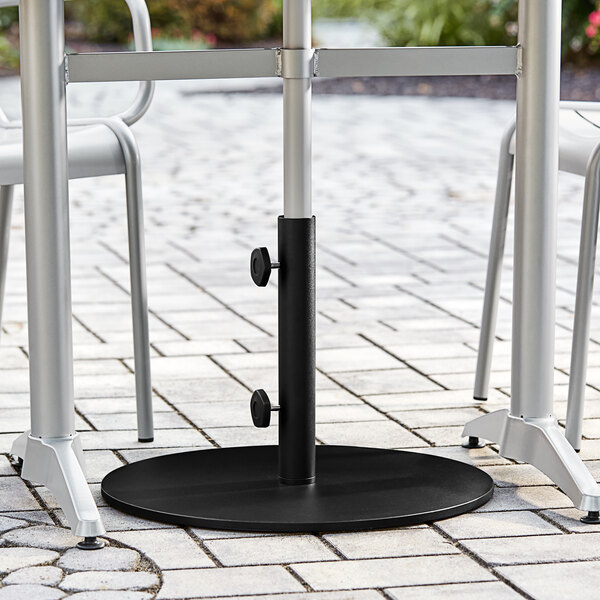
(479, 399)
(592, 518)
(146, 440)
(91, 543)
(473, 442)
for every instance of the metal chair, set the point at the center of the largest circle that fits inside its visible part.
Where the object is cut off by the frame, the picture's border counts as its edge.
(97, 147)
(579, 154)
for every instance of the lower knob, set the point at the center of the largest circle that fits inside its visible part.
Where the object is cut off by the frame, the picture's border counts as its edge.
(261, 408)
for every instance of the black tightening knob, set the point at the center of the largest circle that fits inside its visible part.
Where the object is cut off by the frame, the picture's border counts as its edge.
(261, 408)
(261, 265)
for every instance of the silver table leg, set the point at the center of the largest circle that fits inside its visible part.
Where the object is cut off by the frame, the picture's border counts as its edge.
(51, 451)
(529, 432)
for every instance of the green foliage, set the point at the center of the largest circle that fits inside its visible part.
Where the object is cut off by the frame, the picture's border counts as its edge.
(9, 55)
(439, 22)
(339, 9)
(227, 20)
(575, 20)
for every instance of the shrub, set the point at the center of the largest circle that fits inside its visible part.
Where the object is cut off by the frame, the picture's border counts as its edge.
(9, 55)
(439, 22)
(575, 21)
(338, 9)
(228, 20)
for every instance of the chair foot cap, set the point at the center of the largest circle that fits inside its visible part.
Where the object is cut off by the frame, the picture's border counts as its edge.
(91, 543)
(592, 518)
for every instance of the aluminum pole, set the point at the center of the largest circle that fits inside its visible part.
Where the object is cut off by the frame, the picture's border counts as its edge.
(538, 91)
(47, 218)
(297, 121)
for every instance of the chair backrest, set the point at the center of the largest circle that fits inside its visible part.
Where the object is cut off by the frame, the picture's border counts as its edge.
(142, 38)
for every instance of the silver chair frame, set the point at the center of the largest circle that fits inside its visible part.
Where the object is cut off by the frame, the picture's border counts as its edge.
(528, 432)
(585, 279)
(119, 124)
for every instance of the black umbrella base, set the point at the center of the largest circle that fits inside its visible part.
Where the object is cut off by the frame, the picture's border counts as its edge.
(238, 489)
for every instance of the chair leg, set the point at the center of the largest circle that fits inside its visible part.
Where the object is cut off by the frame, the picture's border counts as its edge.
(137, 271)
(6, 197)
(583, 302)
(494, 269)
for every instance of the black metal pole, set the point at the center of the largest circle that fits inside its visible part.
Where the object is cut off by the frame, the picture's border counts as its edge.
(297, 350)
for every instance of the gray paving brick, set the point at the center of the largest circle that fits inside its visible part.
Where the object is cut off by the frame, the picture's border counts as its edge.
(556, 581)
(108, 580)
(5, 467)
(568, 518)
(350, 359)
(101, 440)
(269, 550)
(493, 590)
(384, 381)
(7, 523)
(12, 559)
(517, 475)
(35, 575)
(14, 495)
(537, 549)
(497, 524)
(105, 559)
(117, 521)
(399, 542)
(436, 418)
(480, 457)
(168, 548)
(383, 434)
(346, 595)
(233, 581)
(112, 595)
(525, 498)
(39, 592)
(389, 572)
(42, 536)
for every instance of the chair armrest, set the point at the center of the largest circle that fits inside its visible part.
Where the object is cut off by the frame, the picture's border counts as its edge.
(142, 39)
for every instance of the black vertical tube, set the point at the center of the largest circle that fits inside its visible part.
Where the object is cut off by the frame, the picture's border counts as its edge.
(297, 350)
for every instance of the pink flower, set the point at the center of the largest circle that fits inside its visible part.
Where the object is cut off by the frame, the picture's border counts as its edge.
(591, 31)
(594, 18)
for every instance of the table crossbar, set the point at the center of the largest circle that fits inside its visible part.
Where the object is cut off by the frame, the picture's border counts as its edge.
(271, 62)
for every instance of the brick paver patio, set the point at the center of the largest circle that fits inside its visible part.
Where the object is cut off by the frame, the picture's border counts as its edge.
(403, 191)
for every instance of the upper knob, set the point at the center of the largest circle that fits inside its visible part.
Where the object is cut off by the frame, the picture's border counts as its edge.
(261, 266)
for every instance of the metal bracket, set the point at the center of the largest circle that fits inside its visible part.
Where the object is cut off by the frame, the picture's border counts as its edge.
(66, 67)
(519, 69)
(294, 63)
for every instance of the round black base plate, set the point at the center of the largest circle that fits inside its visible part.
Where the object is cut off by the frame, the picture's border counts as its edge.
(238, 489)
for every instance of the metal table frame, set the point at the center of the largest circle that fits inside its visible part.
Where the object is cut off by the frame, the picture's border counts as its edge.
(52, 451)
